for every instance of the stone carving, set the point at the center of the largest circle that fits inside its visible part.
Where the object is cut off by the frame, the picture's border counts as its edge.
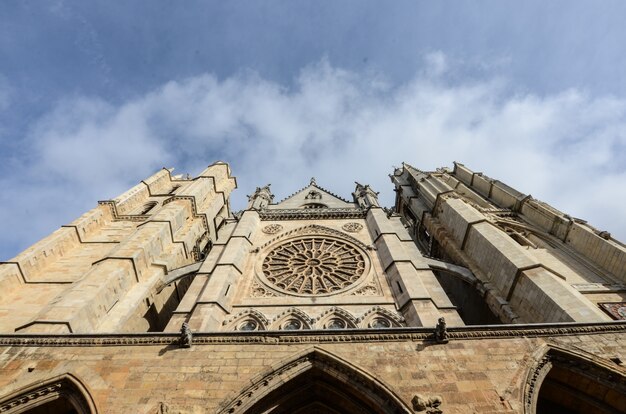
(377, 312)
(313, 195)
(312, 213)
(258, 291)
(317, 230)
(430, 404)
(352, 227)
(371, 289)
(248, 315)
(408, 334)
(313, 265)
(186, 337)
(272, 228)
(441, 332)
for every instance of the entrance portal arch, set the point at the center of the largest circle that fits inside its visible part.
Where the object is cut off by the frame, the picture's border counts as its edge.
(571, 381)
(316, 381)
(64, 394)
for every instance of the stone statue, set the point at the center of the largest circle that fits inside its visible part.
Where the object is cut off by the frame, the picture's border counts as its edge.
(186, 336)
(441, 334)
(428, 404)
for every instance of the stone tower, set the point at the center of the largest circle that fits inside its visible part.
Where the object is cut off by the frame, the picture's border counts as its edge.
(467, 296)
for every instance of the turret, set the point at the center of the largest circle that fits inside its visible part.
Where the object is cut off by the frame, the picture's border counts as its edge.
(261, 198)
(365, 197)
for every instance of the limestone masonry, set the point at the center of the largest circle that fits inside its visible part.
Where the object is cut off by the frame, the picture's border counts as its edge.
(466, 297)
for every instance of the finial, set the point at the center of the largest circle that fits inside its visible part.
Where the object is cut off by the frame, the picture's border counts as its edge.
(313, 182)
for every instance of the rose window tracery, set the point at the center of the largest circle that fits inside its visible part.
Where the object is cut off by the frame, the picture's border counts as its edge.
(314, 266)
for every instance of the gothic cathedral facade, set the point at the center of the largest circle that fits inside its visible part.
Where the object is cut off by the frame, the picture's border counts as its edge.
(467, 296)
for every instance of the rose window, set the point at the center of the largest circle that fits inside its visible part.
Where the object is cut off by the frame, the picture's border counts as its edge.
(314, 266)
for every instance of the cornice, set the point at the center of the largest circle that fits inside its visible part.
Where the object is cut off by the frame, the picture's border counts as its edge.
(312, 214)
(314, 336)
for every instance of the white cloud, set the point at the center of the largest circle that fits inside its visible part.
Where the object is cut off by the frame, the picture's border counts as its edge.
(567, 149)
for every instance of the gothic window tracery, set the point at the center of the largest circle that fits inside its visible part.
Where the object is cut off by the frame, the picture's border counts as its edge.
(248, 325)
(314, 265)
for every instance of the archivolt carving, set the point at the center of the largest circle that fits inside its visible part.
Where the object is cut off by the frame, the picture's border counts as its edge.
(296, 313)
(336, 313)
(314, 266)
(354, 383)
(252, 314)
(64, 386)
(575, 360)
(394, 319)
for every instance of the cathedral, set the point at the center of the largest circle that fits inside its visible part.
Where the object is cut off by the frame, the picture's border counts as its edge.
(466, 296)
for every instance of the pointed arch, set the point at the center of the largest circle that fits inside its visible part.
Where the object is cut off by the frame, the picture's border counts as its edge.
(63, 392)
(336, 313)
(375, 312)
(292, 313)
(312, 379)
(248, 314)
(566, 379)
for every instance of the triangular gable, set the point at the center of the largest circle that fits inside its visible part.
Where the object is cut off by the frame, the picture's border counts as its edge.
(312, 195)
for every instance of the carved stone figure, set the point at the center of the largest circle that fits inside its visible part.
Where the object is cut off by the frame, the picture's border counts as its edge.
(429, 404)
(441, 333)
(186, 337)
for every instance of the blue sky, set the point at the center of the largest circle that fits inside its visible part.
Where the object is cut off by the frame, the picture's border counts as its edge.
(95, 96)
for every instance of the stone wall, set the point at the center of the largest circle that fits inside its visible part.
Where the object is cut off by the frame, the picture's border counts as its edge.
(486, 371)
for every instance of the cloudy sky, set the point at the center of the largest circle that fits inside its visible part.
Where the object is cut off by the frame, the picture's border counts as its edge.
(96, 96)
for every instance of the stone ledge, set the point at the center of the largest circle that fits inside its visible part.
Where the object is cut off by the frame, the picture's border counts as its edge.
(347, 335)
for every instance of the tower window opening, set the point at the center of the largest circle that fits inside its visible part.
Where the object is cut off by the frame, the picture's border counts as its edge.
(147, 207)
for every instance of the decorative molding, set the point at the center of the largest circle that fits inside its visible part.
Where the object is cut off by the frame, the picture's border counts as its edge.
(313, 183)
(395, 318)
(64, 386)
(122, 217)
(315, 229)
(325, 363)
(272, 228)
(312, 214)
(574, 360)
(352, 227)
(369, 289)
(351, 335)
(259, 291)
(307, 321)
(248, 313)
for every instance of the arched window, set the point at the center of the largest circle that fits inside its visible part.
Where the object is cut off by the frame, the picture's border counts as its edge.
(147, 207)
